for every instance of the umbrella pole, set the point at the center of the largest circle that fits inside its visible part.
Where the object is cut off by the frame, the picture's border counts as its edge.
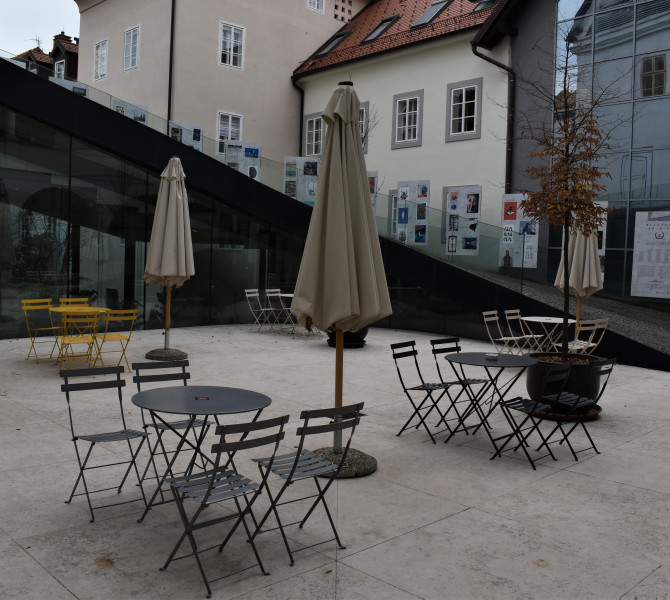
(578, 313)
(339, 376)
(168, 297)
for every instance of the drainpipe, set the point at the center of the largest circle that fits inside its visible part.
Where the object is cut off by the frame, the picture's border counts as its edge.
(302, 110)
(511, 86)
(169, 106)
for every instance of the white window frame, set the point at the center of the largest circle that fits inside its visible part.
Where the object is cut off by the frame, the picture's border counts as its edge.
(654, 75)
(476, 119)
(59, 69)
(407, 120)
(100, 60)
(363, 124)
(317, 5)
(131, 49)
(233, 60)
(230, 117)
(314, 134)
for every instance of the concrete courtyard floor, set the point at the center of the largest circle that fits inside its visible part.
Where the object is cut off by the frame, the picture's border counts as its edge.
(435, 521)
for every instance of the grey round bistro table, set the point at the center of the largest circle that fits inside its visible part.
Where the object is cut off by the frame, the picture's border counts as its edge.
(494, 364)
(194, 401)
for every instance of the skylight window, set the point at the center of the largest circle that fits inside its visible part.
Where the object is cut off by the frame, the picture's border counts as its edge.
(381, 28)
(433, 11)
(332, 43)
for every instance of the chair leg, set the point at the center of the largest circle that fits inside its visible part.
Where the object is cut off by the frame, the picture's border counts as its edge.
(322, 499)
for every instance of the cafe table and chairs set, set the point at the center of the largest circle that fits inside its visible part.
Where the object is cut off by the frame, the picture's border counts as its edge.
(200, 441)
(481, 396)
(76, 333)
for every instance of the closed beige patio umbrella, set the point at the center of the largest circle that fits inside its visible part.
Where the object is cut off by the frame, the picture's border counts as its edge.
(585, 277)
(170, 256)
(341, 284)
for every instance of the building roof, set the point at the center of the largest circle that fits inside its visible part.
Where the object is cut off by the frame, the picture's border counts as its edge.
(37, 55)
(455, 16)
(66, 43)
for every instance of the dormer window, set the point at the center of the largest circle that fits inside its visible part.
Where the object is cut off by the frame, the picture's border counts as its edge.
(332, 43)
(59, 69)
(433, 11)
(381, 28)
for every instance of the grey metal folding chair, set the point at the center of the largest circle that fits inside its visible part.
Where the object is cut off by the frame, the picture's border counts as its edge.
(222, 483)
(573, 410)
(304, 464)
(532, 413)
(422, 406)
(98, 380)
(460, 402)
(162, 372)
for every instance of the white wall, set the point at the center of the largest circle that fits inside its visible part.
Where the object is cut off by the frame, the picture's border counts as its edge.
(278, 35)
(431, 67)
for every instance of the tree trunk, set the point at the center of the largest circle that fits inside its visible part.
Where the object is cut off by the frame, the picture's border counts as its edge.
(566, 287)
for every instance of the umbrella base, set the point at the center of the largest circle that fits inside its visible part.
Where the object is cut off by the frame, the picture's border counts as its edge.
(166, 354)
(358, 463)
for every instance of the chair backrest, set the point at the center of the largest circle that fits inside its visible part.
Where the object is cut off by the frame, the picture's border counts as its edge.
(492, 322)
(553, 380)
(160, 371)
(254, 300)
(513, 318)
(73, 301)
(31, 306)
(324, 421)
(98, 378)
(598, 375)
(444, 346)
(274, 298)
(120, 320)
(406, 350)
(80, 324)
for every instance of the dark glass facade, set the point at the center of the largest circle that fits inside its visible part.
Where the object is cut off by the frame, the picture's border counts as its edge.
(75, 221)
(619, 52)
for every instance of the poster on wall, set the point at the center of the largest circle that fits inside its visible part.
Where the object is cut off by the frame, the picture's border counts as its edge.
(373, 183)
(519, 239)
(651, 255)
(462, 206)
(301, 178)
(244, 157)
(133, 111)
(188, 134)
(413, 204)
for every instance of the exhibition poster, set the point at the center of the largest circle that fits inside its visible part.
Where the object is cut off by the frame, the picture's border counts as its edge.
(244, 157)
(301, 178)
(412, 210)
(190, 135)
(462, 207)
(651, 255)
(519, 239)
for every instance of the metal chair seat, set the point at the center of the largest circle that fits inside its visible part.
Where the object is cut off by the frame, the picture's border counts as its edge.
(227, 484)
(308, 464)
(179, 424)
(113, 436)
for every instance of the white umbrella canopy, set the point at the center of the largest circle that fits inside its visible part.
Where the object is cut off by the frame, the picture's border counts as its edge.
(584, 276)
(342, 283)
(170, 255)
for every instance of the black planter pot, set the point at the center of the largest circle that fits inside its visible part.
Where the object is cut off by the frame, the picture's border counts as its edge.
(352, 339)
(578, 381)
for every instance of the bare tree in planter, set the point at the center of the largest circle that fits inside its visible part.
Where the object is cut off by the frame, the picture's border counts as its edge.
(565, 164)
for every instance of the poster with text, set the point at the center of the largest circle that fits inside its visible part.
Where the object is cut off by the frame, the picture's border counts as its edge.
(517, 250)
(414, 202)
(462, 207)
(651, 255)
(244, 157)
(133, 111)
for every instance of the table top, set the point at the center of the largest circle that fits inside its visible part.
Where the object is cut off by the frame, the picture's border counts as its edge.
(479, 359)
(200, 400)
(78, 309)
(550, 320)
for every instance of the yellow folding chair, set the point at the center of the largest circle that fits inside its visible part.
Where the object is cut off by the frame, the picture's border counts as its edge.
(73, 301)
(77, 342)
(115, 320)
(39, 322)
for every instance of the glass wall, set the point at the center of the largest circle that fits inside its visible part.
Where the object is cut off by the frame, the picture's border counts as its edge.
(75, 221)
(618, 52)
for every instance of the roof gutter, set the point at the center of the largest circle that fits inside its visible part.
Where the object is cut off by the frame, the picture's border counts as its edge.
(302, 110)
(511, 92)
